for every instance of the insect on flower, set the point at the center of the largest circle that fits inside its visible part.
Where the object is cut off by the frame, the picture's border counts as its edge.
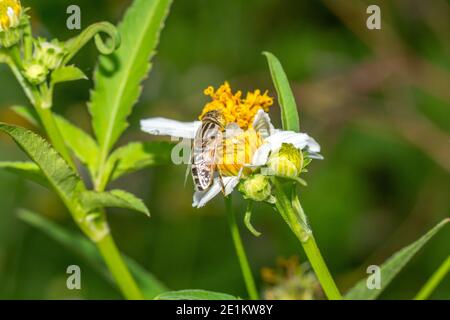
(204, 154)
(236, 139)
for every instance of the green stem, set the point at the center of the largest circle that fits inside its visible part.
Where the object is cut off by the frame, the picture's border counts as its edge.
(434, 280)
(45, 114)
(119, 270)
(318, 264)
(106, 245)
(284, 207)
(100, 236)
(50, 126)
(240, 251)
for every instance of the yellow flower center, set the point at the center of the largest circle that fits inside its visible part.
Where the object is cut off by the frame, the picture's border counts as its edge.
(237, 151)
(235, 108)
(10, 11)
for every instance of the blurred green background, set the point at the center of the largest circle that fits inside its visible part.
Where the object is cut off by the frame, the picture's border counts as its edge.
(377, 101)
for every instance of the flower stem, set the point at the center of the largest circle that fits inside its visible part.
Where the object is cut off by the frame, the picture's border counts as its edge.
(119, 270)
(318, 264)
(434, 280)
(54, 134)
(286, 210)
(45, 114)
(240, 251)
(104, 241)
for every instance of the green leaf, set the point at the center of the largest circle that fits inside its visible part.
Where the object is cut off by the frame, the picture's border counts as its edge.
(81, 143)
(61, 177)
(392, 267)
(91, 200)
(434, 281)
(118, 77)
(289, 113)
(138, 155)
(28, 114)
(80, 245)
(27, 170)
(67, 73)
(194, 294)
(135, 156)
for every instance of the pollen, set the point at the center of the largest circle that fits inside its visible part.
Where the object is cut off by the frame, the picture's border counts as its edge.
(10, 11)
(236, 108)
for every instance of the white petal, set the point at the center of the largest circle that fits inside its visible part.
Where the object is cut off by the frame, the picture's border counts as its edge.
(261, 155)
(274, 142)
(230, 183)
(313, 146)
(10, 13)
(202, 198)
(299, 140)
(262, 124)
(316, 156)
(168, 127)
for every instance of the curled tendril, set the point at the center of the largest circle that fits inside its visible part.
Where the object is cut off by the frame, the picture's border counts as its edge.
(248, 217)
(93, 31)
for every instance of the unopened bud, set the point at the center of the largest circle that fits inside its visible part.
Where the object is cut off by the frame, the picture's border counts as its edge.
(257, 188)
(35, 73)
(50, 54)
(286, 162)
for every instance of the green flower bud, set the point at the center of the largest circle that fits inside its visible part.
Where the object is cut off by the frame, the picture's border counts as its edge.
(10, 38)
(50, 54)
(257, 188)
(10, 15)
(286, 162)
(35, 73)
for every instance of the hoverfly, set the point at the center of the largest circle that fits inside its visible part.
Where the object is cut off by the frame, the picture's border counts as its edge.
(206, 142)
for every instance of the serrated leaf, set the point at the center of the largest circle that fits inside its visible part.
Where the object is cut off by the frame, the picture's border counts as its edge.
(118, 77)
(27, 170)
(80, 245)
(195, 294)
(392, 267)
(80, 142)
(67, 73)
(91, 200)
(289, 113)
(60, 176)
(138, 155)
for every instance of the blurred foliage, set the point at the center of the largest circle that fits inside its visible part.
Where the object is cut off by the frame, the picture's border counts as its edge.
(377, 101)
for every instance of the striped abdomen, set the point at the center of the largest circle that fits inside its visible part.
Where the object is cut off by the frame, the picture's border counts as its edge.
(206, 141)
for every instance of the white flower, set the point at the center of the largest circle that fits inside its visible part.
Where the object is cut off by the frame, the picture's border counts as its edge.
(272, 141)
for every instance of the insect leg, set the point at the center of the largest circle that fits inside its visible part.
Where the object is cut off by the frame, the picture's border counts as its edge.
(221, 181)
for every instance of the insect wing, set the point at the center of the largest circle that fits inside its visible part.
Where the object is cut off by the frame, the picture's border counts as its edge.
(203, 155)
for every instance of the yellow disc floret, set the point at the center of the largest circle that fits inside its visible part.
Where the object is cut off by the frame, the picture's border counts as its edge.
(234, 107)
(237, 151)
(10, 11)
